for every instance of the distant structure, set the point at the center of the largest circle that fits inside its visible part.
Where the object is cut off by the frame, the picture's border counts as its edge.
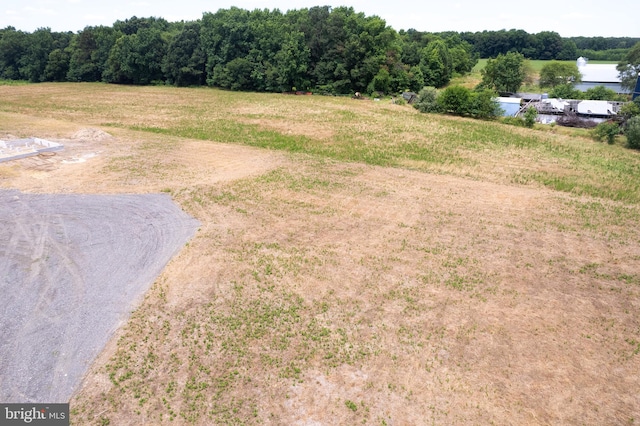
(510, 106)
(599, 75)
(22, 148)
(636, 91)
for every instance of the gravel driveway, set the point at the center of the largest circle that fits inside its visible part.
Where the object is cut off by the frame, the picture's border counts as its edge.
(72, 268)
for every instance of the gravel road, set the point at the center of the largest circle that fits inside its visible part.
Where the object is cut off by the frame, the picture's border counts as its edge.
(72, 268)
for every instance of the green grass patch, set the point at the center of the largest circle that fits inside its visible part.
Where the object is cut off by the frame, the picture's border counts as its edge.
(13, 82)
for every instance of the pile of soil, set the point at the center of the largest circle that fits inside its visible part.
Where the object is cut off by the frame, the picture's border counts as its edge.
(91, 134)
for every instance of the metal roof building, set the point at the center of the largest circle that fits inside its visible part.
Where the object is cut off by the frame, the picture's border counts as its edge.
(510, 106)
(598, 75)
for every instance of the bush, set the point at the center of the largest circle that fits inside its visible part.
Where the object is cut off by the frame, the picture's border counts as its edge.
(566, 91)
(632, 131)
(607, 130)
(530, 116)
(455, 100)
(427, 100)
(629, 110)
(399, 101)
(513, 121)
(482, 104)
(601, 93)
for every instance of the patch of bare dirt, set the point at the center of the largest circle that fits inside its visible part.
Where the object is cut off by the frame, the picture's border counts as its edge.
(96, 161)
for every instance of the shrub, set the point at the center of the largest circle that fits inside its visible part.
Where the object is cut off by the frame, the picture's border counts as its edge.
(530, 116)
(513, 121)
(566, 91)
(601, 93)
(632, 131)
(399, 101)
(427, 100)
(628, 110)
(455, 100)
(607, 130)
(482, 104)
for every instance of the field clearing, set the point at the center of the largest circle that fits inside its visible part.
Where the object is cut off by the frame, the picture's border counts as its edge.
(537, 64)
(358, 262)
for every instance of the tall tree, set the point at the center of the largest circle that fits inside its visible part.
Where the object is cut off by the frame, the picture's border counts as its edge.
(436, 64)
(555, 73)
(185, 61)
(136, 58)
(13, 45)
(549, 45)
(34, 60)
(292, 61)
(89, 51)
(57, 65)
(629, 68)
(505, 73)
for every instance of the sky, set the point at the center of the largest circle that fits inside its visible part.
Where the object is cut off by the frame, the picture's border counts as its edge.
(569, 18)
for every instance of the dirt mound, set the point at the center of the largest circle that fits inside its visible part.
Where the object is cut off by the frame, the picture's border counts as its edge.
(91, 134)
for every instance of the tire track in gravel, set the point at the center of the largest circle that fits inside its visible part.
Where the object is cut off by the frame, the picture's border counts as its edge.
(72, 269)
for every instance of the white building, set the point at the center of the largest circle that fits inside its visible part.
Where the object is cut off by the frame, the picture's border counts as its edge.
(598, 75)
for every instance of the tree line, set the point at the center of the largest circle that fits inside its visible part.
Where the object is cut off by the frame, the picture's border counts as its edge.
(548, 45)
(332, 50)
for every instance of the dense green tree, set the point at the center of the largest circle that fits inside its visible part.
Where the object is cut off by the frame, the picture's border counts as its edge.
(566, 91)
(184, 63)
(629, 110)
(632, 132)
(381, 82)
(292, 61)
(549, 45)
(505, 73)
(89, 52)
(136, 58)
(556, 73)
(224, 37)
(629, 68)
(428, 100)
(436, 64)
(134, 24)
(601, 93)
(462, 60)
(235, 75)
(13, 45)
(483, 104)
(416, 79)
(36, 55)
(334, 49)
(325, 36)
(569, 51)
(455, 100)
(57, 65)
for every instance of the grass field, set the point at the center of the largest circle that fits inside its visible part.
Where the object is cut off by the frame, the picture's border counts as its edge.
(358, 262)
(536, 65)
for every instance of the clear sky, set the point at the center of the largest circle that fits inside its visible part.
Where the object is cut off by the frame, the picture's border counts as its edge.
(566, 17)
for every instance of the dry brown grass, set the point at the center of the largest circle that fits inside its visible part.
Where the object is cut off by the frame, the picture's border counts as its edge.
(326, 292)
